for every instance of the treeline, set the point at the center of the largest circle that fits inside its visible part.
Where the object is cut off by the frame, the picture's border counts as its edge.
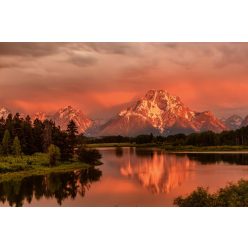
(22, 136)
(140, 139)
(36, 137)
(237, 137)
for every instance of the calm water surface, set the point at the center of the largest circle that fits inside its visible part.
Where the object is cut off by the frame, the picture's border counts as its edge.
(128, 177)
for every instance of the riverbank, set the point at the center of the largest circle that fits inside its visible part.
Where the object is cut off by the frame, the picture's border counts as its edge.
(177, 148)
(205, 149)
(100, 145)
(19, 167)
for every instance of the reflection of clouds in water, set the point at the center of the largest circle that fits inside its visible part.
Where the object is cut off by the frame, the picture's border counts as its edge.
(161, 173)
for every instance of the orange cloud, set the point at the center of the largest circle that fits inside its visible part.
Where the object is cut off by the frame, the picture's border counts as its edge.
(100, 76)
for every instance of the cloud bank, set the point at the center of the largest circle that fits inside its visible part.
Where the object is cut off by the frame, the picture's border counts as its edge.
(93, 76)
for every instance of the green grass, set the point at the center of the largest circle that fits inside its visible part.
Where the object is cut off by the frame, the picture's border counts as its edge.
(176, 148)
(99, 145)
(18, 167)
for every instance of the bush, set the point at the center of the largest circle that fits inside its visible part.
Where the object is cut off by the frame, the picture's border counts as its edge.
(89, 156)
(233, 195)
(198, 198)
(54, 154)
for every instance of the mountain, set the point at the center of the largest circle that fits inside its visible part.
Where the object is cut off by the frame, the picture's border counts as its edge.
(64, 115)
(40, 116)
(4, 113)
(233, 122)
(158, 112)
(244, 122)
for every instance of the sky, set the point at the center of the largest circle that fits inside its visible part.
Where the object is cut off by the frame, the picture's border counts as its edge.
(103, 78)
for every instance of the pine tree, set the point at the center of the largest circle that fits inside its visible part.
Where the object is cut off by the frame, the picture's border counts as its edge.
(16, 147)
(47, 135)
(27, 136)
(72, 132)
(6, 142)
(16, 125)
(38, 128)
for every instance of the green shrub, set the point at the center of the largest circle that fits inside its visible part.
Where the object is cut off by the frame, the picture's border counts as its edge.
(233, 195)
(54, 154)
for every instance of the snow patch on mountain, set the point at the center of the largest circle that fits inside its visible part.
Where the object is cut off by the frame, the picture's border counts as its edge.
(166, 114)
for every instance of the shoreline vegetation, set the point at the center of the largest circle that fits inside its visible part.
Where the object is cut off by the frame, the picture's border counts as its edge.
(124, 144)
(14, 168)
(232, 140)
(177, 148)
(232, 195)
(40, 147)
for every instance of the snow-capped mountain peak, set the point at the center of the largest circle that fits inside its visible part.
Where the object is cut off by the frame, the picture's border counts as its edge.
(162, 113)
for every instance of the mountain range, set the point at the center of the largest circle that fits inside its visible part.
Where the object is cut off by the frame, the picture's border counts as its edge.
(158, 112)
(60, 117)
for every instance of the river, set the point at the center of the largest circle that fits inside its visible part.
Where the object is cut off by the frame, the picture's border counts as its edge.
(128, 177)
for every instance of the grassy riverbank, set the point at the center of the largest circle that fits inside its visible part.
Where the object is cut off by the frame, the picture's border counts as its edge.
(99, 145)
(173, 148)
(18, 167)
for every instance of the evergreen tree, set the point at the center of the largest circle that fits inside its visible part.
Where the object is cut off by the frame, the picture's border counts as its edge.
(16, 147)
(27, 136)
(6, 142)
(72, 132)
(9, 123)
(2, 127)
(16, 125)
(47, 135)
(38, 128)
(1, 150)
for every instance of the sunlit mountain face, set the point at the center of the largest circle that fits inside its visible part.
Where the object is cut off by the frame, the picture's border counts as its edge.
(159, 112)
(160, 173)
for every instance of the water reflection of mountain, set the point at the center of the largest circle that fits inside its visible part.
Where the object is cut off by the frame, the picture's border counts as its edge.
(59, 186)
(158, 172)
(211, 158)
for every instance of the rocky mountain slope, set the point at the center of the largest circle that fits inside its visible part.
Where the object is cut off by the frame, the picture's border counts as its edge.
(244, 123)
(64, 115)
(158, 112)
(233, 122)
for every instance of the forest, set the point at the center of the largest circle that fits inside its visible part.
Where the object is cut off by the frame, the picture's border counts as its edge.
(21, 137)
